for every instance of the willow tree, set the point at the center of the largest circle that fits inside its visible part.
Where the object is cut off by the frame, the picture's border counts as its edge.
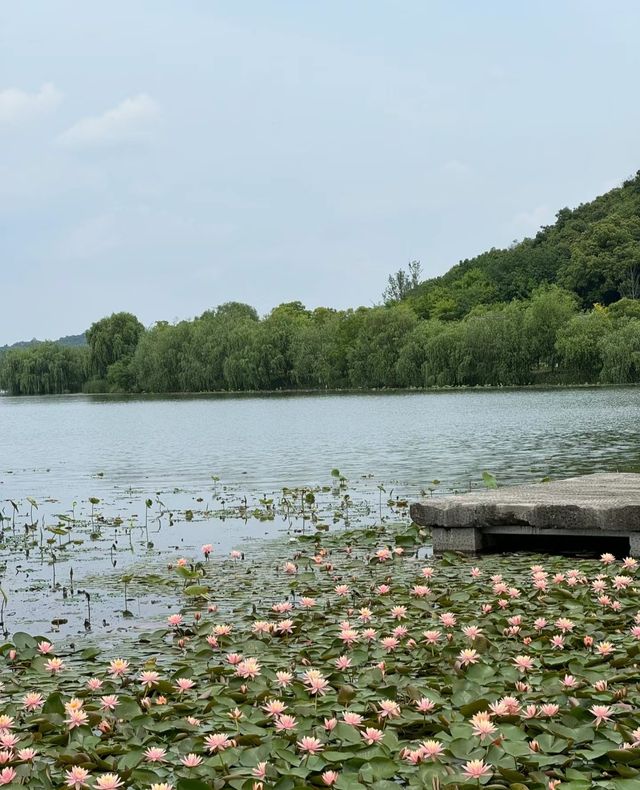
(44, 369)
(112, 339)
(373, 355)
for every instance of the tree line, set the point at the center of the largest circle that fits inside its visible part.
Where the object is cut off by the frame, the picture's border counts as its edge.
(557, 308)
(546, 338)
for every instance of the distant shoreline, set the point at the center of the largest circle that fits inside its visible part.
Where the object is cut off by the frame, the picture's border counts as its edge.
(311, 392)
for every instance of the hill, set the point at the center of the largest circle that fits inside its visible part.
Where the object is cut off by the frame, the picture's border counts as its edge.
(592, 251)
(559, 308)
(67, 340)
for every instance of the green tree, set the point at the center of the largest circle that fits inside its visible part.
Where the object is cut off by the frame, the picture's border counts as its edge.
(276, 352)
(620, 351)
(624, 309)
(605, 261)
(452, 302)
(113, 340)
(160, 362)
(549, 309)
(373, 356)
(400, 284)
(242, 362)
(411, 367)
(578, 344)
(494, 347)
(44, 369)
(318, 353)
(209, 344)
(445, 355)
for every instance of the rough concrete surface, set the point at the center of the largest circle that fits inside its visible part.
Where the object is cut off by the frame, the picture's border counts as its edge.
(589, 506)
(607, 502)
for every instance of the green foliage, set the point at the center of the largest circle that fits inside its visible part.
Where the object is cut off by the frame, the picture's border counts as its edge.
(113, 340)
(578, 344)
(44, 369)
(605, 260)
(416, 350)
(373, 356)
(549, 309)
(475, 682)
(400, 284)
(620, 350)
(452, 302)
(593, 250)
(495, 349)
(383, 347)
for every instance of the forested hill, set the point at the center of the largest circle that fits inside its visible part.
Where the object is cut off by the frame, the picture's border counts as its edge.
(67, 340)
(560, 308)
(593, 251)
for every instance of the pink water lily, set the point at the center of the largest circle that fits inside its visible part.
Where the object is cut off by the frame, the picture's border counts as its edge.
(191, 760)
(108, 782)
(523, 663)
(482, 725)
(425, 705)
(54, 665)
(388, 709)
(468, 656)
(33, 701)
(274, 707)
(155, 754)
(260, 771)
(184, 684)
(431, 749)
(372, 735)
(602, 713)
(476, 769)
(76, 777)
(286, 723)
(118, 667)
(218, 742)
(310, 745)
(7, 775)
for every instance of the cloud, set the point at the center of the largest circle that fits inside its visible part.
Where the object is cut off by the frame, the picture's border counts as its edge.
(129, 122)
(532, 220)
(17, 106)
(456, 167)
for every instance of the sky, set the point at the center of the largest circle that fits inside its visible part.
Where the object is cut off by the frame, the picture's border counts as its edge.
(164, 157)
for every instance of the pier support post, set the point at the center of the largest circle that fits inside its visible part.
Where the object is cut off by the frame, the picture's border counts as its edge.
(634, 544)
(467, 540)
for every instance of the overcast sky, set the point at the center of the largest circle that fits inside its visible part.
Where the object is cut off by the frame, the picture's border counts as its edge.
(165, 156)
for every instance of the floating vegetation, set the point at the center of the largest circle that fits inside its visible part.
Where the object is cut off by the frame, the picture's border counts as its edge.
(62, 555)
(346, 660)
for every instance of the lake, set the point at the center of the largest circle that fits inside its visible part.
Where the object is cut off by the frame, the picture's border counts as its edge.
(173, 473)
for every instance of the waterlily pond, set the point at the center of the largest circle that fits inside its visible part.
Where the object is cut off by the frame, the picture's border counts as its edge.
(209, 593)
(352, 661)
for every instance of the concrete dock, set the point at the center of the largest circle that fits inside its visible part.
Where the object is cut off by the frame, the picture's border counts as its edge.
(585, 512)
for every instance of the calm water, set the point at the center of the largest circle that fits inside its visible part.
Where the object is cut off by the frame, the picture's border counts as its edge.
(62, 450)
(55, 446)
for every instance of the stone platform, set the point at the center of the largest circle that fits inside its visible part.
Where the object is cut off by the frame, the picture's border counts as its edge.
(578, 509)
